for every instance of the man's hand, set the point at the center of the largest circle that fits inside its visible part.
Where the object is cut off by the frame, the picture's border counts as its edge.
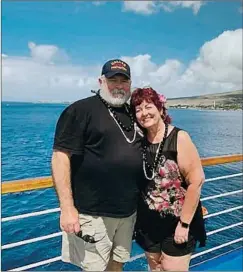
(181, 234)
(69, 220)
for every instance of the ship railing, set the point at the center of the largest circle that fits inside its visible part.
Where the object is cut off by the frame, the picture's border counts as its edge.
(25, 185)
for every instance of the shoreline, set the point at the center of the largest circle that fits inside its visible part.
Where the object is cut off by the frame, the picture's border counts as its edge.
(9, 103)
(203, 109)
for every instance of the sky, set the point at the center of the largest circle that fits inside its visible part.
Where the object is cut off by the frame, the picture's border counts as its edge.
(54, 50)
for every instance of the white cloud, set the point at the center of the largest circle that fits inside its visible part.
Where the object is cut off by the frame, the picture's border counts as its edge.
(172, 5)
(44, 76)
(145, 72)
(47, 53)
(219, 64)
(217, 68)
(149, 7)
(142, 7)
(98, 3)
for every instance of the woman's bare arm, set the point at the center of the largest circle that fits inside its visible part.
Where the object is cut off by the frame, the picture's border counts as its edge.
(191, 168)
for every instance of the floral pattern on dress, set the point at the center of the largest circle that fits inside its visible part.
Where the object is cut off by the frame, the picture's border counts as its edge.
(165, 193)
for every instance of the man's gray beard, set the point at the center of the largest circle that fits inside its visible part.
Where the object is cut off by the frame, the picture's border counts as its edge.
(115, 101)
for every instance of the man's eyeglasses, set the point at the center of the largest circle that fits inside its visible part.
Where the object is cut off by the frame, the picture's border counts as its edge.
(87, 238)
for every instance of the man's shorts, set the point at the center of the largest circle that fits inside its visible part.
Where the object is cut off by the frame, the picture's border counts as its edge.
(166, 245)
(113, 236)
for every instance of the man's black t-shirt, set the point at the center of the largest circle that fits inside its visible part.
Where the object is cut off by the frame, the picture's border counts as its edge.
(105, 168)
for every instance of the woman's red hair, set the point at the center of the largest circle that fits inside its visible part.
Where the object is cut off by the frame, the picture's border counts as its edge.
(151, 96)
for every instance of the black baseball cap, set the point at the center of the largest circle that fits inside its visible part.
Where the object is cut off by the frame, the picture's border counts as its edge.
(114, 67)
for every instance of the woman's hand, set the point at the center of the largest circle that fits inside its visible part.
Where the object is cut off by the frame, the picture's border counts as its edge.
(181, 234)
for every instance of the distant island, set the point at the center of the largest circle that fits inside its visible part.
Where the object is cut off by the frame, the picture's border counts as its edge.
(220, 101)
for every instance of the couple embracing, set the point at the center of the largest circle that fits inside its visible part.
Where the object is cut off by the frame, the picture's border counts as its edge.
(122, 171)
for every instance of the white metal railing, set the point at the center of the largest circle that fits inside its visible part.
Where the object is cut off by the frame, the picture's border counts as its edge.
(215, 257)
(57, 234)
(224, 228)
(224, 177)
(197, 254)
(221, 195)
(52, 260)
(224, 211)
(10, 218)
(217, 247)
(23, 268)
(29, 241)
(21, 216)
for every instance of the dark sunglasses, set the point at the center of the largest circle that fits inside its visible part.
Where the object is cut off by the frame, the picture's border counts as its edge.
(87, 238)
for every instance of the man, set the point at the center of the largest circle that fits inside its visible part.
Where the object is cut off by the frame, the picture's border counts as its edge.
(96, 165)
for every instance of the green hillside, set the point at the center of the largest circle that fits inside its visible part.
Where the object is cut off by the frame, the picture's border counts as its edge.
(226, 100)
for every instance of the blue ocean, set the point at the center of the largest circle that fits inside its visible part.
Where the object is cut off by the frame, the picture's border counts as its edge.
(27, 137)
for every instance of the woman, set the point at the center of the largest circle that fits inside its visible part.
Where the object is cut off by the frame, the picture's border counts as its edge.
(169, 218)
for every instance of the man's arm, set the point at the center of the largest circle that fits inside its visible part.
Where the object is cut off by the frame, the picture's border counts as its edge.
(69, 219)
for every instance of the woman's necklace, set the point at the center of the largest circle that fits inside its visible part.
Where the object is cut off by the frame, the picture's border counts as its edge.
(120, 125)
(157, 158)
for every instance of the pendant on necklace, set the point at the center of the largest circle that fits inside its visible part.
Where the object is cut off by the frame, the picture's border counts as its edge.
(159, 159)
(162, 160)
(126, 138)
(118, 123)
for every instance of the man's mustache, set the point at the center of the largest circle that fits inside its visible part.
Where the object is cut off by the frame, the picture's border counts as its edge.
(116, 91)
